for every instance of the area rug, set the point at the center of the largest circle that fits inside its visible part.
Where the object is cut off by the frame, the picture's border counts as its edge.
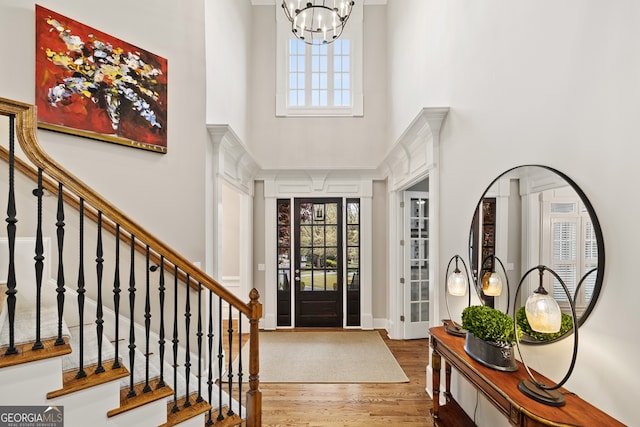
(324, 357)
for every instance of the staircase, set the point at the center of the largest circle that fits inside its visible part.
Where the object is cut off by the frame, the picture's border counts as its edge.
(132, 335)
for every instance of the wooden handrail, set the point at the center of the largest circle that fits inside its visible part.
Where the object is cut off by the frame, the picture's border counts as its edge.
(25, 130)
(90, 213)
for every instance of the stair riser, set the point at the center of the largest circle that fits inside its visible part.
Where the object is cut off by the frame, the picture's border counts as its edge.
(151, 414)
(90, 404)
(28, 384)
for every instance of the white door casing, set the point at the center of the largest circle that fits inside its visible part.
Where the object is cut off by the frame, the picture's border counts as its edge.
(414, 158)
(317, 184)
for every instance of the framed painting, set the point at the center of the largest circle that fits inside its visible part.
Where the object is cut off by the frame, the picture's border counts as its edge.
(94, 85)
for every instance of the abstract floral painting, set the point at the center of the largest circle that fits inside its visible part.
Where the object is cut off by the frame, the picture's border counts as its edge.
(97, 86)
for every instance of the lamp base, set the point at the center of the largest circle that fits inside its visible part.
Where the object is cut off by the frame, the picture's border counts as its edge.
(454, 329)
(548, 397)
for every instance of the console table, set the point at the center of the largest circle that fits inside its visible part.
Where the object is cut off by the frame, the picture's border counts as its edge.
(501, 389)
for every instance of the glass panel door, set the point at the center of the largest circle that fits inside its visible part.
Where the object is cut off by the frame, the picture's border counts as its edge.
(353, 262)
(318, 268)
(417, 272)
(284, 317)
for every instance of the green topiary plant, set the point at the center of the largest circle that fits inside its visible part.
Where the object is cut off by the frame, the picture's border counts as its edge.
(523, 323)
(489, 324)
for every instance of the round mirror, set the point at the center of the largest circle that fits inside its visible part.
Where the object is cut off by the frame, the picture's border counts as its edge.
(535, 215)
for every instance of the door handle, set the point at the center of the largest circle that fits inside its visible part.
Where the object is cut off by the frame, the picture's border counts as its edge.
(297, 278)
(297, 270)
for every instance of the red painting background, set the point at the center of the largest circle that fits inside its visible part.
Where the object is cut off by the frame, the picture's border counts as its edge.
(81, 112)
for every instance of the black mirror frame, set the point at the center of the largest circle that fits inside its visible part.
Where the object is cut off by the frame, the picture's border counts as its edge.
(596, 228)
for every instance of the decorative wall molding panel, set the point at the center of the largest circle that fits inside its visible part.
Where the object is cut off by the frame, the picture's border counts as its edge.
(416, 151)
(235, 164)
(318, 183)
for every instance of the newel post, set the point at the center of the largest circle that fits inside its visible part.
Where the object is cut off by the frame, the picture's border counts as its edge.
(254, 395)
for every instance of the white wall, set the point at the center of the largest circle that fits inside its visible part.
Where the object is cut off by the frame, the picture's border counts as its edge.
(228, 31)
(230, 231)
(545, 82)
(231, 234)
(316, 142)
(162, 192)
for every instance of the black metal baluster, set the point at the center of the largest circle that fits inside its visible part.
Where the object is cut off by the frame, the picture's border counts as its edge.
(220, 361)
(60, 280)
(187, 357)
(81, 291)
(230, 360)
(99, 310)
(11, 235)
(116, 299)
(132, 304)
(39, 258)
(240, 370)
(175, 341)
(210, 358)
(161, 341)
(199, 335)
(147, 325)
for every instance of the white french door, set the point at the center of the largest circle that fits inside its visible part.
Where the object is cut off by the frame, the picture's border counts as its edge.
(417, 274)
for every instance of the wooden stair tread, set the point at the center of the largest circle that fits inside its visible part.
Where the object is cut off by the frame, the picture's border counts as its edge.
(141, 398)
(26, 354)
(195, 409)
(71, 384)
(228, 421)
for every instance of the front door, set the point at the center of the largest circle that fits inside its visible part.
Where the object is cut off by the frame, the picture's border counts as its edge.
(318, 262)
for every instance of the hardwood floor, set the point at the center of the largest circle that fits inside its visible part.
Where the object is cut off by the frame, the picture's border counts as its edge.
(350, 405)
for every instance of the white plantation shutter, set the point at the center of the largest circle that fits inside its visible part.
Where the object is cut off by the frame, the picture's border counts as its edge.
(564, 255)
(590, 258)
(571, 248)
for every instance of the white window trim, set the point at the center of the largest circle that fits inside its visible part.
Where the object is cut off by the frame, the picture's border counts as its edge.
(352, 31)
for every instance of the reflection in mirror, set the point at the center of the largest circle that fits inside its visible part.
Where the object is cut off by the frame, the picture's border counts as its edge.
(534, 215)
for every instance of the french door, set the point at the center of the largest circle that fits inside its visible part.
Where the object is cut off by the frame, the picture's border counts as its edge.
(318, 289)
(417, 275)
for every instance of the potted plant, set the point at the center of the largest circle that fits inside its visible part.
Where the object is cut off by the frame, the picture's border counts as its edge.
(490, 337)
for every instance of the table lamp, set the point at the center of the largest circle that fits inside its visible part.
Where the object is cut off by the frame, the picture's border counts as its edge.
(492, 283)
(457, 284)
(544, 315)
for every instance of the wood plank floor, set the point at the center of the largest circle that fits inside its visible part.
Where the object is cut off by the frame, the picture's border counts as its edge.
(350, 405)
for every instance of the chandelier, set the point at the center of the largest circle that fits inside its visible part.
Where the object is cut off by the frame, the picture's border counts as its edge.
(317, 21)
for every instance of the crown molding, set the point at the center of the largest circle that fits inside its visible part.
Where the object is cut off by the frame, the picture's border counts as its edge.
(416, 151)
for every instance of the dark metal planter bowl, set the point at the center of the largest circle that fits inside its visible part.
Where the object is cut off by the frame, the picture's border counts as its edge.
(490, 354)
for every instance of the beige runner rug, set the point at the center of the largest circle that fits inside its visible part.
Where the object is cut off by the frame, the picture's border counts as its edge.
(324, 357)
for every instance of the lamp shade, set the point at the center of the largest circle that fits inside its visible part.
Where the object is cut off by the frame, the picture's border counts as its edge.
(491, 284)
(457, 283)
(543, 313)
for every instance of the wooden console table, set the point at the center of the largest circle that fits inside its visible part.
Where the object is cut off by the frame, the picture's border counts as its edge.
(501, 389)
